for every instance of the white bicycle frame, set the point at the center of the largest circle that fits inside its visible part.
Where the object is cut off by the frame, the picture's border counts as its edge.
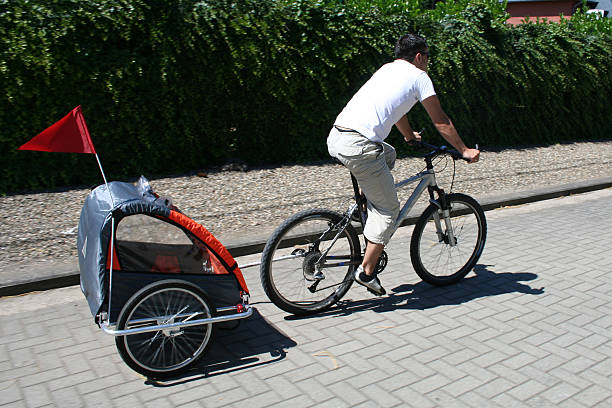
(427, 179)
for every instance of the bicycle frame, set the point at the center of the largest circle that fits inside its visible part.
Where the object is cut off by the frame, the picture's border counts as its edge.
(427, 180)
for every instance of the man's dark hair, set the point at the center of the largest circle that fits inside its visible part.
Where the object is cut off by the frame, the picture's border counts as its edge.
(408, 46)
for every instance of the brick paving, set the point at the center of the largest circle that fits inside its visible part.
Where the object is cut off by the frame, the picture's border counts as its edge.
(531, 327)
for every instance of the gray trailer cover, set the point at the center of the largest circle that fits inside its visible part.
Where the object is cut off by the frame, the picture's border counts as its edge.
(95, 230)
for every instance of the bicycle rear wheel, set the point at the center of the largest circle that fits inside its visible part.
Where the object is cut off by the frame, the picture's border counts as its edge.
(433, 257)
(293, 262)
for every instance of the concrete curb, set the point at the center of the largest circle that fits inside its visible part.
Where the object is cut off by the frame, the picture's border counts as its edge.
(545, 193)
(34, 285)
(63, 279)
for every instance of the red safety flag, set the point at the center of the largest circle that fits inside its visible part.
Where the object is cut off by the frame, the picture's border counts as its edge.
(69, 135)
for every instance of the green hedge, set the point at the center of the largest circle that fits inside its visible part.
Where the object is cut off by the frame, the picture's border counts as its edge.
(169, 86)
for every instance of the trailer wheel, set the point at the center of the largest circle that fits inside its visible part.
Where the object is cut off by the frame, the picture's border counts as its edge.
(168, 352)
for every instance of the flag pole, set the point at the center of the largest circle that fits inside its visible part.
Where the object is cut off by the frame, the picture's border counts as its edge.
(104, 177)
(112, 237)
(78, 114)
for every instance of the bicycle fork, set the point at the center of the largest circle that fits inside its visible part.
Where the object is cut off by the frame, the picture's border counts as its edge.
(444, 208)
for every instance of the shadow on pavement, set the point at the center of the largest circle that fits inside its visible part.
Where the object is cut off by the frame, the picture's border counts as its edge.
(254, 343)
(421, 296)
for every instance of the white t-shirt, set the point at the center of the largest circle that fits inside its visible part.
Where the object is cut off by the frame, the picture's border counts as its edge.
(385, 98)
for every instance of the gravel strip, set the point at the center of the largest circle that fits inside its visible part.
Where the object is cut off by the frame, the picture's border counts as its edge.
(234, 205)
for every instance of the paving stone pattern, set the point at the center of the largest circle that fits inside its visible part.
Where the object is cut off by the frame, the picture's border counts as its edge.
(532, 327)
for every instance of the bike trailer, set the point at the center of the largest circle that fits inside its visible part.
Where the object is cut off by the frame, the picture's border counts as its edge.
(151, 274)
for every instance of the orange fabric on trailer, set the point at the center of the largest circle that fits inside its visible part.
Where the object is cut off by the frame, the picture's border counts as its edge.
(205, 236)
(116, 266)
(166, 264)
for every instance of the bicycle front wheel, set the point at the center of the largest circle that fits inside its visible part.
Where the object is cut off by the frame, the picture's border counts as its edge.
(308, 261)
(442, 255)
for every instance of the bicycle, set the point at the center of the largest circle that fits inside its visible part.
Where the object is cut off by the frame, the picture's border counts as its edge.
(314, 247)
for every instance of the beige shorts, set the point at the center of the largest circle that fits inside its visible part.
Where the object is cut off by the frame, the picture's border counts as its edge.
(371, 164)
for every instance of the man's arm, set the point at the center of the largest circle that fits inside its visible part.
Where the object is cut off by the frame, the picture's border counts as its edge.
(406, 130)
(446, 128)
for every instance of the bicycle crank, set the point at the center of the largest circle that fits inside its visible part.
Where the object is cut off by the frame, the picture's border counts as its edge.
(382, 263)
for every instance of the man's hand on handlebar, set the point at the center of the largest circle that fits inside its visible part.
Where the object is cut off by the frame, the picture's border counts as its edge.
(416, 137)
(471, 155)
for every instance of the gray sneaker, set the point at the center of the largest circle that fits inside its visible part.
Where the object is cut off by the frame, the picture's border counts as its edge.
(372, 285)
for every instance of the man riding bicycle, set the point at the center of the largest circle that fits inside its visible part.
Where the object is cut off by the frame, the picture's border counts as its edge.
(357, 140)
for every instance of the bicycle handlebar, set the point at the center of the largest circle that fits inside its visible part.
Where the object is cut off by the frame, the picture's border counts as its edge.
(438, 150)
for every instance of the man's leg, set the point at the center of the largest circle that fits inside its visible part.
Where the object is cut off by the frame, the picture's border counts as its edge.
(377, 184)
(373, 251)
(365, 275)
(371, 166)
(370, 259)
